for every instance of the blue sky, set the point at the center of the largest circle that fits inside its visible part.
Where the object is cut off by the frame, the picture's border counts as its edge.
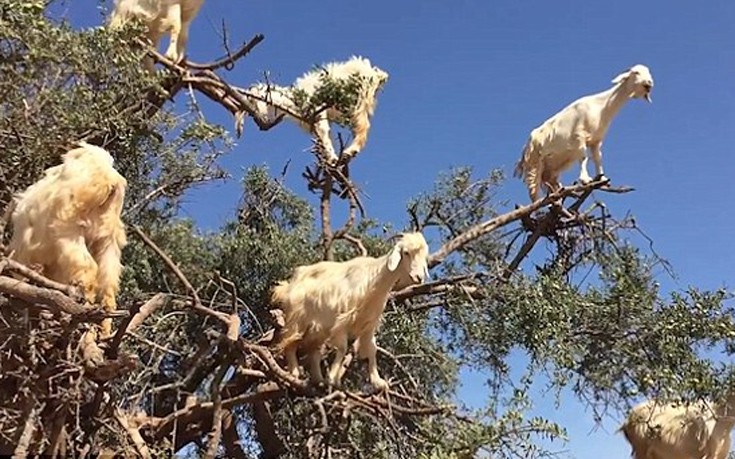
(470, 79)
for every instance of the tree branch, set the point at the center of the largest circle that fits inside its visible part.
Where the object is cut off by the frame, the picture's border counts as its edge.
(228, 61)
(52, 299)
(483, 228)
(197, 305)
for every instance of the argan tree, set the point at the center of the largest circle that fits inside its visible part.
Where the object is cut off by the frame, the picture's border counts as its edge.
(190, 369)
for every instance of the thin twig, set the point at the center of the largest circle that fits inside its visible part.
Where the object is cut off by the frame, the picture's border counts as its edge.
(196, 301)
(230, 59)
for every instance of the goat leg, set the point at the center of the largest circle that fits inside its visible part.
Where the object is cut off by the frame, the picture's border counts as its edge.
(335, 370)
(368, 349)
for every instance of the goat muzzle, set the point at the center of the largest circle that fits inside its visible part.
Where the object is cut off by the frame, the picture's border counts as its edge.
(648, 88)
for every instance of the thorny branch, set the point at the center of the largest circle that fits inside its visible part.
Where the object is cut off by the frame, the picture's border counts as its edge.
(329, 181)
(557, 218)
(232, 321)
(486, 227)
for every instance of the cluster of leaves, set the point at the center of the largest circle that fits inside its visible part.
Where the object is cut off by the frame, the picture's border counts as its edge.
(339, 94)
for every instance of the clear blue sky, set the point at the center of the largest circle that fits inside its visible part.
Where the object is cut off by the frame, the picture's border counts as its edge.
(470, 79)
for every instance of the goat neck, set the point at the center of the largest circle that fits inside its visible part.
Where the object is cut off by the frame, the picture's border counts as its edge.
(614, 99)
(377, 289)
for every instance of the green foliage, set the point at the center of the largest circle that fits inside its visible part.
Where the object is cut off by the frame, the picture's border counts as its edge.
(339, 94)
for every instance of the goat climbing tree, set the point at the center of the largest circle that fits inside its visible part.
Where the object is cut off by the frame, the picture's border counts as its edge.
(190, 369)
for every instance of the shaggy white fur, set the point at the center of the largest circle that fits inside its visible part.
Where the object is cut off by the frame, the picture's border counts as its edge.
(329, 302)
(68, 223)
(668, 431)
(272, 101)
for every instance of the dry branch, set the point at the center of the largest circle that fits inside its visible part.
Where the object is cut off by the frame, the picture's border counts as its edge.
(52, 299)
(265, 429)
(159, 300)
(216, 431)
(131, 426)
(484, 228)
(232, 323)
(38, 279)
(21, 451)
(201, 411)
(430, 288)
(229, 60)
(202, 78)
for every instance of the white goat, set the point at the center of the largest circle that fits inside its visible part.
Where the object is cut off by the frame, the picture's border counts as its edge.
(564, 138)
(667, 431)
(272, 101)
(68, 223)
(161, 16)
(329, 302)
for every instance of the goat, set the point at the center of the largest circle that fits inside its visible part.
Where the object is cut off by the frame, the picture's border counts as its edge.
(160, 16)
(328, 302)
(69, 224)
(564, 138)
(271, 101)
(680, 431)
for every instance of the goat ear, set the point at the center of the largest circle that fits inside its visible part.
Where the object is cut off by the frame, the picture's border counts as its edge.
(394, 258)
(621, 77)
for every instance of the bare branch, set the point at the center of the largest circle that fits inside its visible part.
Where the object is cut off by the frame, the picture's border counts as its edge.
(38, 279)
(229, 61)
(196, 301)
(429, 288)
(483, 228)
(216, 432)
(53, 299)
(130, 424)
(29, 429)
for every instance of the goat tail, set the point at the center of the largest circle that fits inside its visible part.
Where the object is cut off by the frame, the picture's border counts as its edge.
(524, 161)
(625, 428)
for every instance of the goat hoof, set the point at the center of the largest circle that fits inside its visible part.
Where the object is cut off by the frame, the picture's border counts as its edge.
(380, 385)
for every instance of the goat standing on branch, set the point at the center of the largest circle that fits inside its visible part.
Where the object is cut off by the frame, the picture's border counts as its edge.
(356, 75)
(69, 224)
(564, 138)
(668, 431)
(329, 302)
(160, 16)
